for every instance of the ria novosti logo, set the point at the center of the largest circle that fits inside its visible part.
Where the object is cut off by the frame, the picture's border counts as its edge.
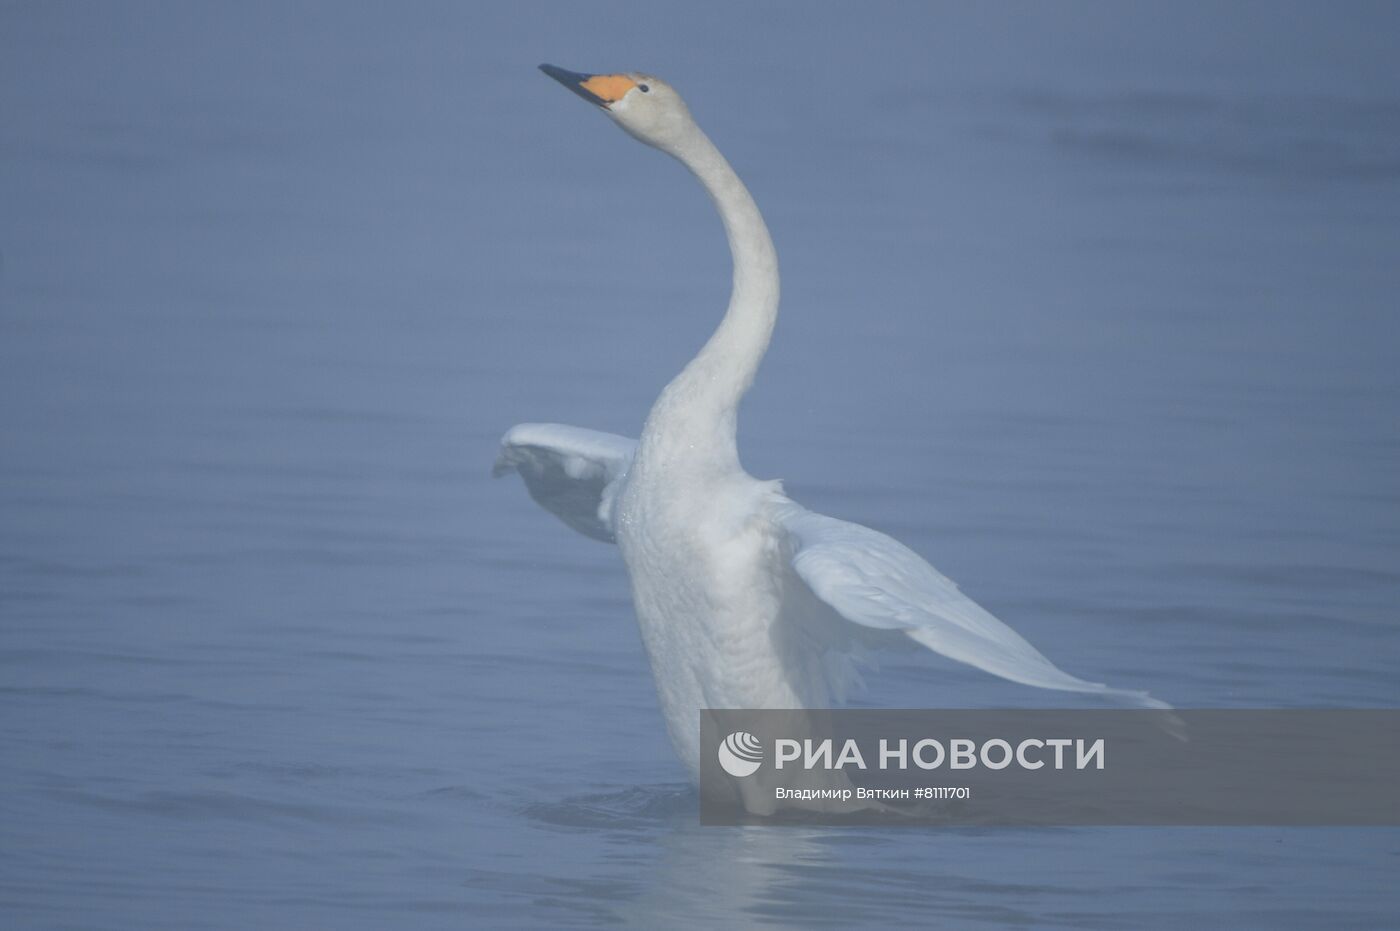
(740, 754)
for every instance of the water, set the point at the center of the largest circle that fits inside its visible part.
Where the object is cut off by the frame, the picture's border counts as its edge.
(1093, 306)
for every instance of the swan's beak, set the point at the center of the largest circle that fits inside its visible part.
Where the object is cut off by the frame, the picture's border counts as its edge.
(602, 90)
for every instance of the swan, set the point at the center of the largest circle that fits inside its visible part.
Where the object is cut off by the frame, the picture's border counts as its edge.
(744, 598)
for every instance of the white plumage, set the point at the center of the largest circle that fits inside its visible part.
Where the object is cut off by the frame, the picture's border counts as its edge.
(744, 598)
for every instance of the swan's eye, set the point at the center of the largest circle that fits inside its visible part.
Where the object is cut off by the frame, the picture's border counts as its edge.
(644, 89)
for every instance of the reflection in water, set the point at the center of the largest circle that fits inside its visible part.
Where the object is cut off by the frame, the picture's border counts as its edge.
(735, 877)
(659, 868)
(674, 867)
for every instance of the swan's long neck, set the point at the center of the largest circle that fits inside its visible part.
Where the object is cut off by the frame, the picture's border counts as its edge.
(693, 422)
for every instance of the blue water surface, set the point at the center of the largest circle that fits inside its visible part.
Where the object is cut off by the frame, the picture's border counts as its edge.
(1094, 305)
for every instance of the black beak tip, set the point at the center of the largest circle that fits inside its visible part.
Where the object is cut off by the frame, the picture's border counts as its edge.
(573, 80)
(564, 75)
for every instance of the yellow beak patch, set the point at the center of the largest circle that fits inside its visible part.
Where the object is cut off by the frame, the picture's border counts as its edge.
(609, 87)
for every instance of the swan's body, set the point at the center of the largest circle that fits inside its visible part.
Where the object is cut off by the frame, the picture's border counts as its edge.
(744, 598)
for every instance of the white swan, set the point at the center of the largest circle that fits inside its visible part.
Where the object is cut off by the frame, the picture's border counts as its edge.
(745, 599)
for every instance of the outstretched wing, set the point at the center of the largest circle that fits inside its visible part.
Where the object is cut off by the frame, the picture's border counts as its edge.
(569, 471)
(874, 581)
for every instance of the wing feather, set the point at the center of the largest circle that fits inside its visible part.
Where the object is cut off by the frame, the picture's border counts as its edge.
(569, 471)
(874, 581)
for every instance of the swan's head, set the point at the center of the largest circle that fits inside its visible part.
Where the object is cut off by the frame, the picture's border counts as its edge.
(647, 107)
